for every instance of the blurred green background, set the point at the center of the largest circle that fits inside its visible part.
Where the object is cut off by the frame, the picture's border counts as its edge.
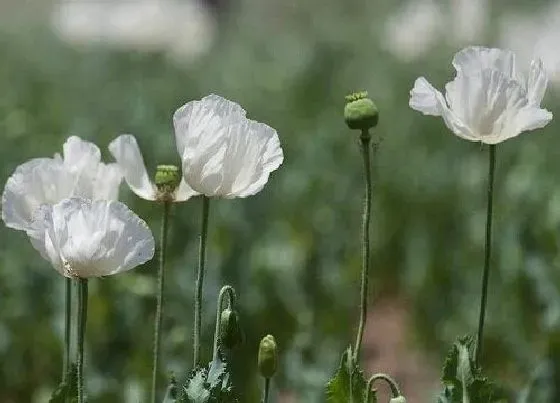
(99, 69)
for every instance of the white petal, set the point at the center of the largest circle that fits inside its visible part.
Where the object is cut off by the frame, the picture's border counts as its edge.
(210, 110)
(487, 103)
(225, 154)
(95, 239)
(107, 182)
(80, 155)
(536, 83)
(36, 182)
(42, 237)
(184, 192)
(127, 153)
(531, 118)
(477, 58)
(426, 99)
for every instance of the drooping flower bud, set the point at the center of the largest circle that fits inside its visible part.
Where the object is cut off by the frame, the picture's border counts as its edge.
(268, 356)
(167, 179)
(230, 330)
(398, 399)
(360, 113)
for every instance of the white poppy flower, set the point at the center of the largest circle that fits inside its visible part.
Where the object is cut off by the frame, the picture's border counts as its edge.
(127, 153)
(224, 154)
(489, 100)
(84, 238)
(79, 173)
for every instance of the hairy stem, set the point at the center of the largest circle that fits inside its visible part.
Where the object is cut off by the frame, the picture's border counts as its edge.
(160, 299)
(395, 391)
(82, 319)
(200, 279)
(365, 140)
(487, 252)
(67, 326)
(232, 297)
(266, 389)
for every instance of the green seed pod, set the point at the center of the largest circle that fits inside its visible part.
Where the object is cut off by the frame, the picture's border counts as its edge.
(398, 399)
(268, 356)
(230, 330)
(167, 180)
(360, 113)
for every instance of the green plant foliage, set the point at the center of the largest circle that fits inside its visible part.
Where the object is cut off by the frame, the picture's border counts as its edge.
(463, 381)
(209, 385)
(348, 384)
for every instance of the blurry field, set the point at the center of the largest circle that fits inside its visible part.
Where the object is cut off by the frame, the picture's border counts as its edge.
(99, 69)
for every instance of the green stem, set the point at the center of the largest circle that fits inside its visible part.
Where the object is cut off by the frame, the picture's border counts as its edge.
(200, 279)
(160, 299)
(232, 297)
(266, 389)
(67, 328)
(395, 391)
(487, 252)
(365, 139)
(82, 319)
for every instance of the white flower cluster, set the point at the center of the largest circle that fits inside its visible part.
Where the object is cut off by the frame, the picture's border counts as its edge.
(68, 204)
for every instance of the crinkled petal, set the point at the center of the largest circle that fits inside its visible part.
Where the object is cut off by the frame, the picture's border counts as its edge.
(34, 183)
(184, 192)
(536, 83)
(426, 99)
(41, 235)
(210, 110)
(127, 153)
(225, 154)
(80, 155)
(478, 58)
(94, 239)
(529, 118)
(487, 102)
(107, 182)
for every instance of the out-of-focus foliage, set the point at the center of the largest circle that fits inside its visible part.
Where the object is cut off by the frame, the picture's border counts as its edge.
(292, 251)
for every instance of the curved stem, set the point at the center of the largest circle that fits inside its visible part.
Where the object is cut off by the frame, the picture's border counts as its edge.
(365, 139)
(160, 299)
(82, 319)
(200, 279)
(266, 389)
(487, 252)
(67, 327)
(232, 298)
(395, 391)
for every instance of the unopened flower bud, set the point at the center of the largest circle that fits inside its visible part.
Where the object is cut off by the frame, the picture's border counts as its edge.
(230, 331)
(167, 180)
(360, 113)
(398, 399)
(268, 356)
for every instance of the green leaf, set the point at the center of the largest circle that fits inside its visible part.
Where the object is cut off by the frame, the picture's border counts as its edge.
(210, 385)
(463, 380)
(67, 391)
(348, 385)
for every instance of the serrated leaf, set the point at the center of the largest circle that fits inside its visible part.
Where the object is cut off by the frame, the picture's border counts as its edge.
(348, 385)
(463, 380)
(210, 385)
(67, 391)
(196, 389)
